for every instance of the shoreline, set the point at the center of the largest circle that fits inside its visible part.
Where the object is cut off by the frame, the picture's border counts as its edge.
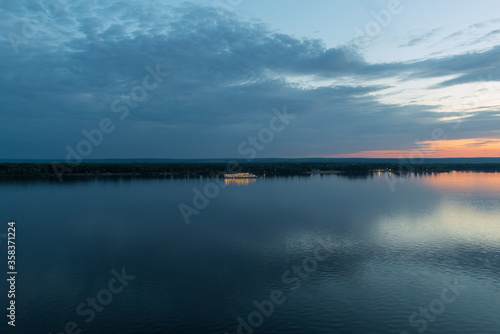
(42, 171)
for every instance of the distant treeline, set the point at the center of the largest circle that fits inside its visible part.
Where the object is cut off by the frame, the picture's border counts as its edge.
(182, 170)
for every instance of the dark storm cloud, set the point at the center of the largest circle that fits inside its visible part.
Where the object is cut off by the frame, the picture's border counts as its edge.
(225, 77)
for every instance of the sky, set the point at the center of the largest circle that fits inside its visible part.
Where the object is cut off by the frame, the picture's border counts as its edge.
(249, 79)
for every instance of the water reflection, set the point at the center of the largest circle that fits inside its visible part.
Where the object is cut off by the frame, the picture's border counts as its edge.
(451, 222)
(463, 181)
(239, 182)
(390, 251)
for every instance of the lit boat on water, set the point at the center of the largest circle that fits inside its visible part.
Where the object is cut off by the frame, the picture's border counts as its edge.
(240, 176)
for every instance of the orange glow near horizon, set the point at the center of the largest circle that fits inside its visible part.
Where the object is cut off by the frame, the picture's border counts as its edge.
(454, 148)
(464, 181)
(239, 182)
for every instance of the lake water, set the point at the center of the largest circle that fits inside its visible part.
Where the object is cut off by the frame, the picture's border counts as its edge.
(319, 254)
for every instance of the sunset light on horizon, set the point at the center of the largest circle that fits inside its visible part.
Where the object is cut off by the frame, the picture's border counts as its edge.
(452, 148)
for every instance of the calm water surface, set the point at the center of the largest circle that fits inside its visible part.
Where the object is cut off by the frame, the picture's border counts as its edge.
(285, 255)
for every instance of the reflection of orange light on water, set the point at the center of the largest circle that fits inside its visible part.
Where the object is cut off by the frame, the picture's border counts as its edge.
(463, 181)
(239, 182)
(455, 148)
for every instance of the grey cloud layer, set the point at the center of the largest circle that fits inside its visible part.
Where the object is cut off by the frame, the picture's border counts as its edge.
(225, 77)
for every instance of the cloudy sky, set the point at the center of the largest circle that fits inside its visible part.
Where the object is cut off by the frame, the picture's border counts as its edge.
(243, 79)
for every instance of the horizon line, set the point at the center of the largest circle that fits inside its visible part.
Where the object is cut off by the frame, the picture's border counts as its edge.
(7, 160)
